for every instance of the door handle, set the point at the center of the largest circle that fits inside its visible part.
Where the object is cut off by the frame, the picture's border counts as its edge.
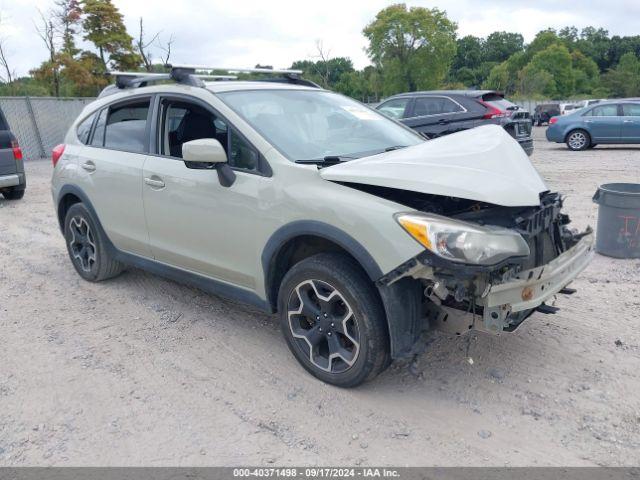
(588, 121)
(89, 166)
(628, 121)
(154, 182)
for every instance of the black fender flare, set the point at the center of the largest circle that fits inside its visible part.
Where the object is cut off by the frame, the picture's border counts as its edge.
(318, 229)
(78, 192)
(401, 301)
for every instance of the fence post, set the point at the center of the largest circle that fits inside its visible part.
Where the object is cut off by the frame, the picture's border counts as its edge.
(35, 126)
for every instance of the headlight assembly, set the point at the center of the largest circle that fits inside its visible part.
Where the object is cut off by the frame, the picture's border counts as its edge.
(463, 242)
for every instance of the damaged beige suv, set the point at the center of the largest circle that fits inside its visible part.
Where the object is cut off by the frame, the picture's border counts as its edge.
(300, 201)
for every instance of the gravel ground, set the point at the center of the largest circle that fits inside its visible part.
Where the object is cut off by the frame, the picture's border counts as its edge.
(143, 371)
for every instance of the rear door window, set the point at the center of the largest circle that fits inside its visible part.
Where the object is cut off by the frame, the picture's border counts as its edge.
(426, 106)
(631, 110)
(126, 127)
(603, 111)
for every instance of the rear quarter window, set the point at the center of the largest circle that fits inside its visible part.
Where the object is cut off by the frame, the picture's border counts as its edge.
(84, 129)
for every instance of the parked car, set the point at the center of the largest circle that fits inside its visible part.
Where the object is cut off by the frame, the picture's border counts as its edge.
(616, 121)
(12, 177)
(355, 229)
(543, 112)
(438, 113)
(566, 108)
(588, 103)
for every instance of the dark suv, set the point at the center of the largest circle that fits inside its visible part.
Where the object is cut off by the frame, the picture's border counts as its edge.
(437, 113)
(12, 178)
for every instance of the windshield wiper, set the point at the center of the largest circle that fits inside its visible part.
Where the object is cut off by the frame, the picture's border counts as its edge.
(395, 147)
(328, 160)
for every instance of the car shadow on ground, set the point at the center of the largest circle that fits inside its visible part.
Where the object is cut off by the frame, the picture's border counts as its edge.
(443, 361)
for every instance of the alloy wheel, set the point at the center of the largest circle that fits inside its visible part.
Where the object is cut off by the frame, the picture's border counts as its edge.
(324, 326)
(577, 140)
(82, 243)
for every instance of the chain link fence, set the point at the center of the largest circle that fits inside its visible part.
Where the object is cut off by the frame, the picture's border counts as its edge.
(40, 123)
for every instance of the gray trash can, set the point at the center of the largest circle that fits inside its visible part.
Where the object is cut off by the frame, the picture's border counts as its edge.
(618, 233)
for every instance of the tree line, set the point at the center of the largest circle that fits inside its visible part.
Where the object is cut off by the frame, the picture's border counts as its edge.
(410, 48)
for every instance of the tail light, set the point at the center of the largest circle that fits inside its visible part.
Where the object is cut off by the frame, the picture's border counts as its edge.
(553, 120)
(17, 151)
(493, 111)
(56, 153)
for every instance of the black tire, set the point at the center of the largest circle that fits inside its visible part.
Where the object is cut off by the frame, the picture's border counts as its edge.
(363, 359)
(14, 193)
(95, 263)
(578, 139)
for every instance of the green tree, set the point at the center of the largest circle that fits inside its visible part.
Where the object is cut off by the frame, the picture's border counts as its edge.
(412, 47)
(624, 80)
(542, 40)
(536, 83)
(499, 46)
(498, 78)
(469, 53)
(104, 27)
(556, 60)
(595, 43)
(68, 15)
(326, 72)
(586, 72)
(618, 46)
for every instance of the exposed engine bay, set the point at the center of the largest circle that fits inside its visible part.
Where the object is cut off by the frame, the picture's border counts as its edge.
(460, 297)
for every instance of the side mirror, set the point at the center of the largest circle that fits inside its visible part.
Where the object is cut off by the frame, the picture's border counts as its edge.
(210, 151)
(204, 150)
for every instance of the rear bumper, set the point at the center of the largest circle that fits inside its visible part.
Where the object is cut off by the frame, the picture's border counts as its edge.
(11, 180)
(554, 135)
(531, 288)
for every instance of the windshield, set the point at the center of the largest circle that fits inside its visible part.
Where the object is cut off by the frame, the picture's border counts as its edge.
(312, 125)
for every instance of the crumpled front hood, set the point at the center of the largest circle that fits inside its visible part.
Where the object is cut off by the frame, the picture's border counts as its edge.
(484, 164)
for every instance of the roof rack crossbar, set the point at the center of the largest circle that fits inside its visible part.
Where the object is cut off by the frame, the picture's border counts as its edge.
(188, 75)
(235, 70)
(137, 79)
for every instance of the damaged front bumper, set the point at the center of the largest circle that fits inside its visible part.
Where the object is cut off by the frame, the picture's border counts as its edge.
(504, 306)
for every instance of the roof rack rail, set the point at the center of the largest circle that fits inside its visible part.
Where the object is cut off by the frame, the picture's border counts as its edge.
(187, 75)
(292, 76)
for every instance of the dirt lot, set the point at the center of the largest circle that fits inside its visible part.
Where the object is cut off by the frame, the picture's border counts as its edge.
(143, 371)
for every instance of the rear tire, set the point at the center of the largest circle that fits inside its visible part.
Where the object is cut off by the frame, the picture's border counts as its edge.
(333, 320)
(578, 140)
(14, 193)
(87, 246)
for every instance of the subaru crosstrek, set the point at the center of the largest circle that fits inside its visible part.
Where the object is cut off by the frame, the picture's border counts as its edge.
(360, 234)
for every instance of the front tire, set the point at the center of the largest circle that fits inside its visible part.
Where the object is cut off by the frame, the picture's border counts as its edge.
(87, 247)
(578, 140)
(333, 320)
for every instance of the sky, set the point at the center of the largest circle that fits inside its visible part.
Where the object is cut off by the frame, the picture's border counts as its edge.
(242, 33)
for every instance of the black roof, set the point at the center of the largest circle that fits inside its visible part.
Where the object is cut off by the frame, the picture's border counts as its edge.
(466, 93)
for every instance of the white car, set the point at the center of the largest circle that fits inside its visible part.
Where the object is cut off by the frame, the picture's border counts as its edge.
(354, 229)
